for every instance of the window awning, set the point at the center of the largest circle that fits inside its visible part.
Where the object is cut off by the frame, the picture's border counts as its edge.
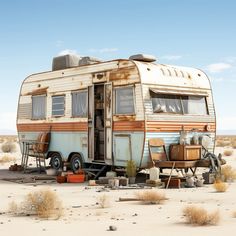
(180, 92)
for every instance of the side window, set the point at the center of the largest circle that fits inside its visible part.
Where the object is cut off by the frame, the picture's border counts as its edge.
(79, 104)
(39, 107)
(124, 98)
(58, 105)
(195, 105)
(165, 103)
(179, 104)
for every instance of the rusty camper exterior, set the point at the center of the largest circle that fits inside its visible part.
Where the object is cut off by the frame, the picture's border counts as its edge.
(105, 112)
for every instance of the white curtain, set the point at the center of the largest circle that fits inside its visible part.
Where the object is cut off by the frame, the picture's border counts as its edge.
(79, 104)
(39, 107)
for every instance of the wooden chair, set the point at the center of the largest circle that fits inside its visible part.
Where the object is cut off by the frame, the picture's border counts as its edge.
(36, 148)
(157, 150)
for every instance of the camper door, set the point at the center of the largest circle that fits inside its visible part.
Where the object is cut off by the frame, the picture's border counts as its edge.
(108, 121)
(91, 122)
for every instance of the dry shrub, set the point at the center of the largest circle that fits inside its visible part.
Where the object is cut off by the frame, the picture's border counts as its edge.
(104, 201)
(199, 216)
(13, 208)
(228, 173)
(43, 203)
(220, 186)
(233, 144)
(2, 140)
(6, 158)
(223, 143)
(234, 214)
(8, 147)
(228, 152)
(151, 196)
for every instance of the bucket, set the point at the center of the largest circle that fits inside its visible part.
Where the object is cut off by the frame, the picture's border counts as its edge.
(154, 173)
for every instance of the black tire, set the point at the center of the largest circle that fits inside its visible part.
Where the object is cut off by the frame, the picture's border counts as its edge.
(56, 161)
(76, 162)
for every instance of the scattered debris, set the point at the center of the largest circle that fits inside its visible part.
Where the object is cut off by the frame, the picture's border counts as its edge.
(112, 228)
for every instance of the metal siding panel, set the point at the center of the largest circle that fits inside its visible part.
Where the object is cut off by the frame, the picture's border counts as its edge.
(63, 142)
(137, 141)
(25, 111)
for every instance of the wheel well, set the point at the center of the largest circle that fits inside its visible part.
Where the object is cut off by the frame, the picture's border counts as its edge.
(49, 155)
(72, 153)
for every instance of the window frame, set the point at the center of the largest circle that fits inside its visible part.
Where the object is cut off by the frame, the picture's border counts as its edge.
(45, 107)
(181, 103)
(79, 91)
(115, 101)
(64, 107)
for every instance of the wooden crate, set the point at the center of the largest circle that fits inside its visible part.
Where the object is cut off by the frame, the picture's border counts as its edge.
(185, 152)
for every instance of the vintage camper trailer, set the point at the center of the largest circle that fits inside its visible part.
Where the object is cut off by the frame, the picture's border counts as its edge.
(105, 112)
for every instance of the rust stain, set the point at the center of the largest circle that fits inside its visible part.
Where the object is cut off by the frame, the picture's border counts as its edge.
(124, 118)
(39, 91)
(128, 126)
(123, 73)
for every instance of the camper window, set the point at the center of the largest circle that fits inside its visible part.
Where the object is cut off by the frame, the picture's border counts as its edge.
(79, 104)
(178, 104)
(166, 103)
(124, 100)
(39, 107)
(58, 105)
(194, 105)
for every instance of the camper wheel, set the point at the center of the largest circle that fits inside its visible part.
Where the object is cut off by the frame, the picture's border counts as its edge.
(76, 162)
(56, 161)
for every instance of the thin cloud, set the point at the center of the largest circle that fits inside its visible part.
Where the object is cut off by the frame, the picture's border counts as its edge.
(103, 50)
(218, 67)
(230, 59)
(59, 43)
(67, 51)
(217, 79)
(172, 57)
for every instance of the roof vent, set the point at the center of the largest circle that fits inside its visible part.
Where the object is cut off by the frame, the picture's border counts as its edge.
(88, 61)
(143, 57)
(65, 61)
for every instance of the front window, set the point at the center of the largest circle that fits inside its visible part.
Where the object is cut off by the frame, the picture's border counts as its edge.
(166, 103)
(79, 104)
(39, 107)
(124, 101)
(178, 104)
(58, 105)
(195, 105)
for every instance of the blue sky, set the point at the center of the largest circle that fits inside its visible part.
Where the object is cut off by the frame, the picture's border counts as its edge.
(196, 33)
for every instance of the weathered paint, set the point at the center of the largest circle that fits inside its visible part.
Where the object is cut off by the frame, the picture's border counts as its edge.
(127, 145)
(63, 142)
(70, 134)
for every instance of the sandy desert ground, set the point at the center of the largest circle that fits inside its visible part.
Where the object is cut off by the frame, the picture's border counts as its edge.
(82, 216)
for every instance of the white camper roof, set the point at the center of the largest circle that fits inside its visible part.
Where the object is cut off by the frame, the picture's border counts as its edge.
(168, 75)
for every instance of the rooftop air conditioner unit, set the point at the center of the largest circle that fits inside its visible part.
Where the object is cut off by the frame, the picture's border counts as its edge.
(65, 61)
(143, 57)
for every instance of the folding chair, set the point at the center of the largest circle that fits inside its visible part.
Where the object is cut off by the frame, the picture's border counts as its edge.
(36, 148)
(157, 150)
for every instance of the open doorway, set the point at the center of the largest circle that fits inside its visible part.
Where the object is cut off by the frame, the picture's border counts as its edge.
(99, 113)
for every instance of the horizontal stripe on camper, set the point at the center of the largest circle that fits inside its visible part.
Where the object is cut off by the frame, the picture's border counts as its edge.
(128, 126)
(78, 126)
(66, 126)
(156, 126)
